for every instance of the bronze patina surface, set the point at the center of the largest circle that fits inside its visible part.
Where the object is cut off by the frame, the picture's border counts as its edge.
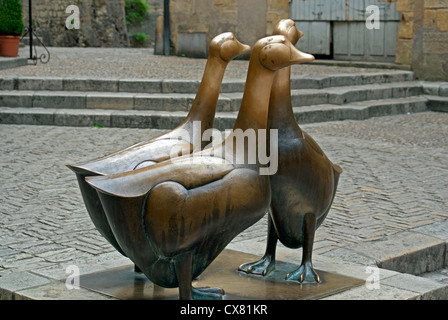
(305, 184)
(123, 283)
(223, 48)
(172, 219)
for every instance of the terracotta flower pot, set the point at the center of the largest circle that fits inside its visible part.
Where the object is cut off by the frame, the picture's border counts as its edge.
(9, 46)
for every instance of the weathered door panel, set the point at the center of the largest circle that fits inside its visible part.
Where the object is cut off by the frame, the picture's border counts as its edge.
(342, 24)
(316, 38)
(353, 41)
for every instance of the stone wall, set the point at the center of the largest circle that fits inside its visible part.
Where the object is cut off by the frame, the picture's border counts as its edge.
(275, 11)
(423, 38)
(102, 23)
(197, 22)
(148, 25)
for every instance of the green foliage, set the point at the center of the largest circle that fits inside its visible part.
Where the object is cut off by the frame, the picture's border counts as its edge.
(140, 37)
(11, 22)
(135, 10)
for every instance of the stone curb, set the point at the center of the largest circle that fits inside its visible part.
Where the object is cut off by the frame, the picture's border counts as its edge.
(188, 86)
(183, 101)
(361, 64)
(400, 259)
(436, 103)
(223, 120)
(7, 63)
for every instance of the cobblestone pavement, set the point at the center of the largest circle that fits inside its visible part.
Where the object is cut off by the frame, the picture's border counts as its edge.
(143, 64)
(394, 179)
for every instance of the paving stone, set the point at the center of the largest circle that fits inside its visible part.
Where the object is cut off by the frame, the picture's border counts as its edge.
(233, 85)
(122, 101)
(8, 83)
(405, 252)
(340, 80)
(57, 290)
(12, 99)
(140, 85)
(346, 254)
(372, 78)
(90, 84)
(37, 83)
(33, 116)
(426, 288)
(164, 102)
(385, 293)
(82, 117)
(438, 230)
(55, 99)
(180, 86)
(41, 203)
(438, 104)
(131, 119)
(440, 276)
(431, 88)
(306, 97)
(21, 280)
(443, 91)
(225, 104)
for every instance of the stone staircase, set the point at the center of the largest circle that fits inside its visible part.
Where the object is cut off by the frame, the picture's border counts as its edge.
(163, 104)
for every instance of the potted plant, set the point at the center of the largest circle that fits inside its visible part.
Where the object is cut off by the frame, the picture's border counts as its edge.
(11, 27)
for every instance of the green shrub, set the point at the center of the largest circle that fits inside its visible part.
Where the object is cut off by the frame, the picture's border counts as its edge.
(11, 22)
(135, 10)
(140, 37)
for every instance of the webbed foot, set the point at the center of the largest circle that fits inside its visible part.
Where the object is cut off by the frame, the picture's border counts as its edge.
(261, 267)
(304, 274)
(208, 293)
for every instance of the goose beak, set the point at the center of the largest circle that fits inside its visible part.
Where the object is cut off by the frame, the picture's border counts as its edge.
(243, 47)
(298, 56)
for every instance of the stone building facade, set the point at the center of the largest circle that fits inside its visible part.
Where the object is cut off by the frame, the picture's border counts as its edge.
(102, 22)
(193, 24)
(423, 38)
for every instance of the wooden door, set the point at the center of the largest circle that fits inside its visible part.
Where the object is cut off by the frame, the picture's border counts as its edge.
(340, 28)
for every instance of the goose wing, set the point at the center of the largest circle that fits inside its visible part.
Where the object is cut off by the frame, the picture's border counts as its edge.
(189, 171)
(206, 217)
(138, 155)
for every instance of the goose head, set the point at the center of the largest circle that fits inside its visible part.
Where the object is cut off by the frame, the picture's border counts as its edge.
(276, 52)
(226, 46)
(287, 28)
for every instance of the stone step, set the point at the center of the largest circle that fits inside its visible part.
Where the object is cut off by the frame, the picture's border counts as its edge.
(437, 103)
(223, 120)
(189, 86)
(14, 62)
(228, 102)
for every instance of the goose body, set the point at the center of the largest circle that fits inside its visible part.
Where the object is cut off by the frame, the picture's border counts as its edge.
(173, 218)
(222, 50)
(304, 186)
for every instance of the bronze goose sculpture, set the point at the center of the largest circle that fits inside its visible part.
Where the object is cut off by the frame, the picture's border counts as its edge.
(223, 48)
(173, 219)
(304, 185)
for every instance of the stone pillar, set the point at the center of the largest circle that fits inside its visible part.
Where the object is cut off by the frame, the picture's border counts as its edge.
(405, 32)
(423, 38)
